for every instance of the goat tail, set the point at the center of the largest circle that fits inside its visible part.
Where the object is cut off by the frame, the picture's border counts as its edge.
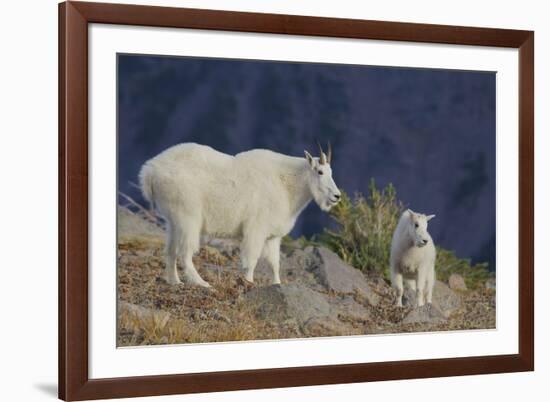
(146, 184)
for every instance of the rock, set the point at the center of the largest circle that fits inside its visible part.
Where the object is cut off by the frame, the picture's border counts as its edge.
(295, 268)
(287, 247)
(428, 313)
(323, 327)
(309, 249)
(456, 282)
(282, 302)
(143, 314)
(491, 284)
(291, 326)
(444, 298)
(347, 309)
(299, 259)
(339, 277)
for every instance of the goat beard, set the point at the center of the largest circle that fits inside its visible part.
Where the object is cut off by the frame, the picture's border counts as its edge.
(326, 206)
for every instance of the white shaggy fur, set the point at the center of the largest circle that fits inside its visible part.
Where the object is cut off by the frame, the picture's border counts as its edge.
(255, 195)
(412, 258)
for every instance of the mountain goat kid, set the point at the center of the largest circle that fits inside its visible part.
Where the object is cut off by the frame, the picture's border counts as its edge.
(412, 257)
(255, 196)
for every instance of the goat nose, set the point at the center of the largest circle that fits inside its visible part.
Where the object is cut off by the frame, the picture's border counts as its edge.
(337, 196)
(425, 241)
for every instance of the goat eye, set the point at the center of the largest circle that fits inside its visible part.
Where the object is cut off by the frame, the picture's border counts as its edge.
(416, 225)
(320, 172)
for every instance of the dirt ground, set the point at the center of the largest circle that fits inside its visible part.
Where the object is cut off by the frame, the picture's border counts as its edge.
(153, 312)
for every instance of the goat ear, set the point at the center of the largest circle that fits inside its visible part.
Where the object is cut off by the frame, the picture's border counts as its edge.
(411, 213)
(430, 217)
(309, 158)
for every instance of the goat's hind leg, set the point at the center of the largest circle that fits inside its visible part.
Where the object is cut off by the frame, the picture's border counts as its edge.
(171, 270)
(430, 284)
(421, 288)
(190, 244)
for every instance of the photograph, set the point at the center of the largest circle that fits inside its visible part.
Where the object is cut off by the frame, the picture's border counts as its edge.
(266, 199)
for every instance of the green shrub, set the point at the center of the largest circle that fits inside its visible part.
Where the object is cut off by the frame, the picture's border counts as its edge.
(448, 263)
(365, 229)
(364, 233)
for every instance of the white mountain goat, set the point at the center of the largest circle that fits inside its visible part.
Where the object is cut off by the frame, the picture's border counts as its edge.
(255, 196)
(412, 257)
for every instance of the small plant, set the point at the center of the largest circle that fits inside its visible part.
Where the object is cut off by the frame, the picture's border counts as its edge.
(448, 263)
(365, 229)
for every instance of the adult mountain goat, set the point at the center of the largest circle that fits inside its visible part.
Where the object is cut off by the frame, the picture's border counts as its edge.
(255, 196)
(412, 257)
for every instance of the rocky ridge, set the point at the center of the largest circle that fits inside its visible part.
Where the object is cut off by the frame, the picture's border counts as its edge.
(320, 295)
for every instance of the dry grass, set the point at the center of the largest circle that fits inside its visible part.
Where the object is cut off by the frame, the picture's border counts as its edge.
(158, 329)
(196, 315)
(175, 315)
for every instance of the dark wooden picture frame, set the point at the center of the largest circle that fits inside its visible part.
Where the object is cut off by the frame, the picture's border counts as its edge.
(74, 382)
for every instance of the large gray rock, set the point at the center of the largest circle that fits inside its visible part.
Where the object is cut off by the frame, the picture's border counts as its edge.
(347, 309)
(339, 277)
(295, 269)
(444, 299)
(282, 302)
(426, 314)
(299, 259)
(298, 268)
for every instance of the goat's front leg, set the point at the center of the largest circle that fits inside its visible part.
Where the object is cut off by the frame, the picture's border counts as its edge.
(271, 252)
(397, 282)
(251, 249)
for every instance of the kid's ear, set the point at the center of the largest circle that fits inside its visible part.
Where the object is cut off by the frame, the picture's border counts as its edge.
(309, 158)
(430, 217)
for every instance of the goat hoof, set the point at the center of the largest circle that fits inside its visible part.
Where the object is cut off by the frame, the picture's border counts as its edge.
(171, 280)
(202, 284)
(197, 282)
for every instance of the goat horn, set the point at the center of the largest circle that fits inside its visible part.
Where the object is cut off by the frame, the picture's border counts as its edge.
(329, 154)
(322, 156)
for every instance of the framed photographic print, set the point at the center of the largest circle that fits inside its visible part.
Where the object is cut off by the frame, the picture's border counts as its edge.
(258, 200)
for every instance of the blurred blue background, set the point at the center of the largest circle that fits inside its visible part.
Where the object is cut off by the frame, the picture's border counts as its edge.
(429, 132)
